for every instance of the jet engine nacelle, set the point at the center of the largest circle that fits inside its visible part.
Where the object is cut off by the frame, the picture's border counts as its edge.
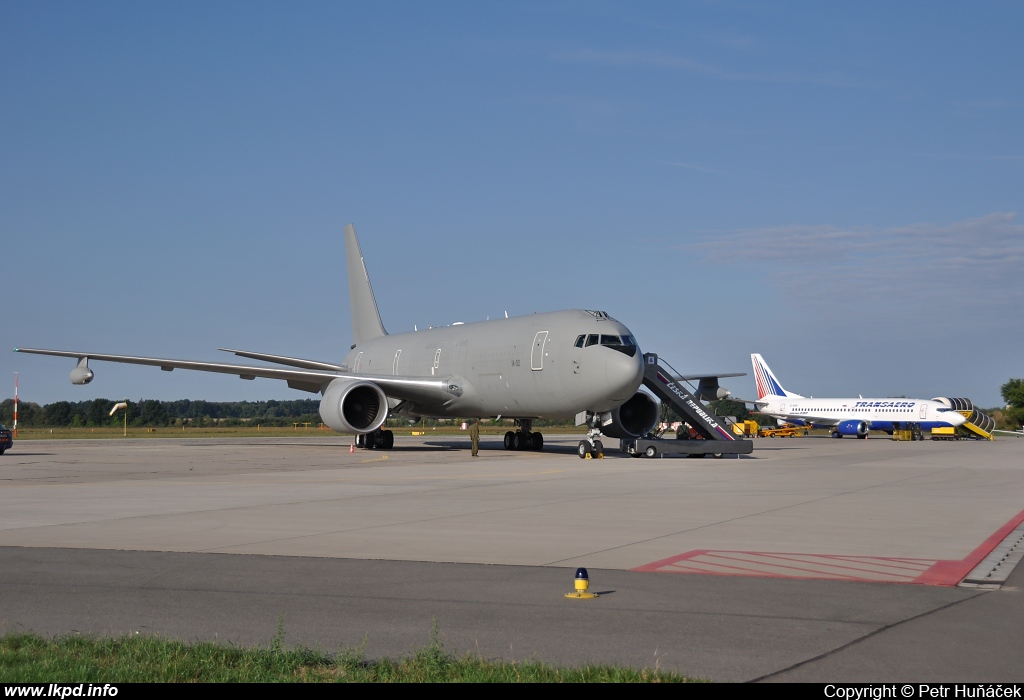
(852, 427)
(353, 406)
(82, 374)
(633, 419)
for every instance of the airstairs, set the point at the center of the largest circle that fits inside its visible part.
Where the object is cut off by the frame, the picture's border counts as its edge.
(716, 437)
(977, 422)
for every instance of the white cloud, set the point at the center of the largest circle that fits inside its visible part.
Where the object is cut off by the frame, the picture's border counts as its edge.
(967, 272)
(668, 61)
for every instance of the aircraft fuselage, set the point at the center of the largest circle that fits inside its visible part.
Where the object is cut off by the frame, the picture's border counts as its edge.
(522, 367)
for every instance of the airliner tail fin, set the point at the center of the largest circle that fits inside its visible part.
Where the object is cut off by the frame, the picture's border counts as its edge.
(767, 384)
(366, 323)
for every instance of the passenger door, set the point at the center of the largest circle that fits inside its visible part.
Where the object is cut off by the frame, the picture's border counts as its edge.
(537, 356)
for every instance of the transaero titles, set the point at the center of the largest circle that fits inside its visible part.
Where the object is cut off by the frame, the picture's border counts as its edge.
(884, 404)
(923, 690)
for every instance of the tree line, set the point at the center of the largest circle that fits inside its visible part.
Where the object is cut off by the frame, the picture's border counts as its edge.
(151, 413)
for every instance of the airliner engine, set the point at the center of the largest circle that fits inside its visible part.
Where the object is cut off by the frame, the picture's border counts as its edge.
(353, 406)
(852, 427)
(635, 418)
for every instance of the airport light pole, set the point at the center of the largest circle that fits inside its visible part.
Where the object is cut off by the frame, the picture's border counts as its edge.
(14, 428)
(123, 405)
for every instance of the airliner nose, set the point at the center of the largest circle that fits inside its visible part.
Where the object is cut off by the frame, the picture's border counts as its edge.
(624, 374)
(957, 419)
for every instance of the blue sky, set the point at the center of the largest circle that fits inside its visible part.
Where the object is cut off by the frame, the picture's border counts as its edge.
(837, 188)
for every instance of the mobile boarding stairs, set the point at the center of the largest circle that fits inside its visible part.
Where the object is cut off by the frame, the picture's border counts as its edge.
(715, 437)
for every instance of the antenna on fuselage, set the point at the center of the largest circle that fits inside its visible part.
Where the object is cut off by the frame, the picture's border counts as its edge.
(506, 314)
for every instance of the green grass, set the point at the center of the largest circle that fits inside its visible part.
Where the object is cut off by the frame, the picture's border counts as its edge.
(28, 658)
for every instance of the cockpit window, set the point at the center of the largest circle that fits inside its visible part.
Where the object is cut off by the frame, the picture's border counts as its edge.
(591, 339)
(611, 340)
(579, 340)
(628, 340)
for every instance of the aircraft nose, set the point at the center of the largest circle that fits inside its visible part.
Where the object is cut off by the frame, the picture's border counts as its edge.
(624, 374)
(957, 419)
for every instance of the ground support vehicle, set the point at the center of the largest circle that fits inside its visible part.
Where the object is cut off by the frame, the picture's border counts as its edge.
(784, 431)
(945, 434)
(747, 428)
(660, 447)
(712, 435)
(6, 439)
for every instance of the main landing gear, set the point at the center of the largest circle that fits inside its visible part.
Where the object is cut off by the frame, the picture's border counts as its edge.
(376, 440)
(523, 439)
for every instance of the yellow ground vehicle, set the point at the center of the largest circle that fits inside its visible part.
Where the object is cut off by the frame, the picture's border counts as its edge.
(788, 430)
(746, 427)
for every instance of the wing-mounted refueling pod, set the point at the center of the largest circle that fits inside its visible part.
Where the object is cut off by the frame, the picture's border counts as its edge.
(82, 374)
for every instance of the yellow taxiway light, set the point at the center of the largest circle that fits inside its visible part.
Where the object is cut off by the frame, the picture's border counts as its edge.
(582, 584)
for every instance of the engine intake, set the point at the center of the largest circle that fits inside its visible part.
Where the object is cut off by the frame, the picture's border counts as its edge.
(633, 419)
(353, 406)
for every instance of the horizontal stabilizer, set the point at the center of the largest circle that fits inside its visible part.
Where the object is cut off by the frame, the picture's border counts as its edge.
(282, 360)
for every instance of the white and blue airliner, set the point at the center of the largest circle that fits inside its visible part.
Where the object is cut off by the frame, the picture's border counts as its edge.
(848, 416)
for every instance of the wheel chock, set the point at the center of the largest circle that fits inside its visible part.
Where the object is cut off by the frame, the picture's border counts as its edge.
(587, 456)
(582, 584)
(600, 455)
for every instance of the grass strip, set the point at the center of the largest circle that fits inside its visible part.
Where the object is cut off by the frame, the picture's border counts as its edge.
(29, 658)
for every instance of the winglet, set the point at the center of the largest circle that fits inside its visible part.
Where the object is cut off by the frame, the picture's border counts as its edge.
(366, 323)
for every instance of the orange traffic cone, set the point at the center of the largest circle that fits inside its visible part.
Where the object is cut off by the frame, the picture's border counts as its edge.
(352, 448)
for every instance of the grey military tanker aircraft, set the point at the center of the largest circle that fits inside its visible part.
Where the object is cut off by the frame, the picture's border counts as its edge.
(559, 365)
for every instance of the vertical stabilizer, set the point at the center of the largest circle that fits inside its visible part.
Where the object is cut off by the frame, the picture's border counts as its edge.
(767, 384)
(366, 323)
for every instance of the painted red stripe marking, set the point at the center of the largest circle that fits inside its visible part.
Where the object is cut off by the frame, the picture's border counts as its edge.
(820, 572)
(950, 573)
(940, 573)
(828, 559)
(655, 565)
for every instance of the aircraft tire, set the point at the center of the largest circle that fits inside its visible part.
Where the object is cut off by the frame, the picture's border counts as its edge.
(389, 440)
(598, 449)
(717, 455)
(538, 442)
(508, 440)
(518, 440)
(584, 449)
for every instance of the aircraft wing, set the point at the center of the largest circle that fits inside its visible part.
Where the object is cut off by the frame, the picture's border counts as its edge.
(426, 390)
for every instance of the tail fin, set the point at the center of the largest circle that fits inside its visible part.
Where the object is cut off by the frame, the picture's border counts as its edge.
(366, 323)
(767, 384)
